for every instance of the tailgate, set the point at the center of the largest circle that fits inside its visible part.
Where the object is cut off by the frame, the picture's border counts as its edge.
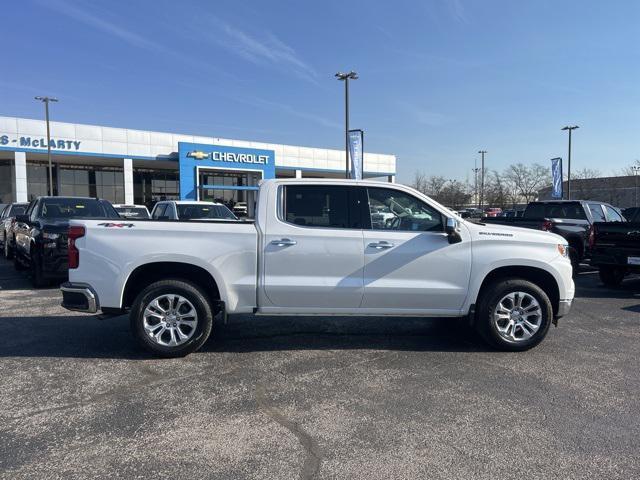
(618, 234)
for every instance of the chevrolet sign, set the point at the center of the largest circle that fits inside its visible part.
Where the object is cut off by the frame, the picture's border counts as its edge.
(197, 154)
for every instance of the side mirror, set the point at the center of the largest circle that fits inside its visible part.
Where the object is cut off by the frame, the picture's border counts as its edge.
(453, 231)
(22, 218)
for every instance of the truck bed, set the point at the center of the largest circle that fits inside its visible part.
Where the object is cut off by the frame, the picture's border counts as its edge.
(222, 248)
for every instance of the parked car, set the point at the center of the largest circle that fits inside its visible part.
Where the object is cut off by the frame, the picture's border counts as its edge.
(240, 209)
(314, 250)
(571, 219)
(492, 212)
(138, 212)
(41, 233)
(630, 212)
(7, 221)
(511, 213)
(191, 210)
(615, 249)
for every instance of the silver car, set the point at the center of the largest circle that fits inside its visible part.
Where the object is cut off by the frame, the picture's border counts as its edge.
(7, 218)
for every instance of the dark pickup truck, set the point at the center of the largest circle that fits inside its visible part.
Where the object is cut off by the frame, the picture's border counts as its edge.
(571, 219)
(41, 234)
(615, 249)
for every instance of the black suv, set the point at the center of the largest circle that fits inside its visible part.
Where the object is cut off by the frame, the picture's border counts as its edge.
(41, 234)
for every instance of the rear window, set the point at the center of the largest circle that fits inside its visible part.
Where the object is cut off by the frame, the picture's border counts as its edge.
(555, 210)
(191, 212)
(18, 210)
(132, 212)
(76, 208)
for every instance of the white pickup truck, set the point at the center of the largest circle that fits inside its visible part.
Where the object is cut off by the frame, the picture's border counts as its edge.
(313, 250)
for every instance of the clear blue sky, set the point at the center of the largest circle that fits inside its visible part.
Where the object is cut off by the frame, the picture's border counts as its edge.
(439, 79)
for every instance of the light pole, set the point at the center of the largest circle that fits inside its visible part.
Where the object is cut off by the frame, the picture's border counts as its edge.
(475, 181)
(636, 170)
(346, 77)
(46, 101)
(482, 152)
(570, 128)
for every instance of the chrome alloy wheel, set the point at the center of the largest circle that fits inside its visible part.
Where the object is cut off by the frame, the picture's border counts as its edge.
(170, 320)
(517, 316)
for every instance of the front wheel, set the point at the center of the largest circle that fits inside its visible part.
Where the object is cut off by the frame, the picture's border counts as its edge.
(513, 314)
(7, 249)
(611, 276)
(171, 318)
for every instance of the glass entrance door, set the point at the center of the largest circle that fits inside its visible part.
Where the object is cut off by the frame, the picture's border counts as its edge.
(234, 188)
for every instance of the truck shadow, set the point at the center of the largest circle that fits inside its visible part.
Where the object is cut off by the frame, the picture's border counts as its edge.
(89, 337)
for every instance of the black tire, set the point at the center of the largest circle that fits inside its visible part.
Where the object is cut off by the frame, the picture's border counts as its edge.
(37, 277)
(492, 294)
(611, 276)
(193, 294)
(7, 249)
(574, 256)
(17, 265)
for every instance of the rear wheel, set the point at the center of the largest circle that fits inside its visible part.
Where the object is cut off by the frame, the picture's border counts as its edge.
(513, 314)
(171, 318)
(37, 277)
(611, 276)
(574, 256)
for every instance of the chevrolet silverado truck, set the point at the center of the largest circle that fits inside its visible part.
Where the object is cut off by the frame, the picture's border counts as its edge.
(571, 219)
(616, 249)
(314, 250)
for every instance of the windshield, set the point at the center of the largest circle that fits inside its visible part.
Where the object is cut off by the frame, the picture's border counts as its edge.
(132, 212)
(187, 212)
(555, 210)
(76, 208)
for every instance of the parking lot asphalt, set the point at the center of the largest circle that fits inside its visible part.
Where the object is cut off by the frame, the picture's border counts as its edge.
(361, 398)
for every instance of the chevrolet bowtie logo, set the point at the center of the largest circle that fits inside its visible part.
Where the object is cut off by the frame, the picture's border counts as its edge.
(198, 154)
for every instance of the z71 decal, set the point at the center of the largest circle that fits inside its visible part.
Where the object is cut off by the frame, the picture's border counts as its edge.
(115, 225)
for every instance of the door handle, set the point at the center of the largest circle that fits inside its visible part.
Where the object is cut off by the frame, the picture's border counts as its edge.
(381, 245)
(283, 242)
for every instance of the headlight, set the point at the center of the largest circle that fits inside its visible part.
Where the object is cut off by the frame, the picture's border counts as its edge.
(50, 236)
(563, 249)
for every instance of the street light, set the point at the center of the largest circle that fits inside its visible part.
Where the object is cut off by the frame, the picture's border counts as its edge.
(482, 152)
(346, 77)
(636, 170)
(46, 101)
(475, 181)
(569, 160)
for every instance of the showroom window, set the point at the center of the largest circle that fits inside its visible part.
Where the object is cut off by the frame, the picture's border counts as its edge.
(151, 186)
(7, 179)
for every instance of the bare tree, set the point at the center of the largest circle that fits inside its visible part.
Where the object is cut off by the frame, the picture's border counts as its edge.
(495, 193)
(528, 180)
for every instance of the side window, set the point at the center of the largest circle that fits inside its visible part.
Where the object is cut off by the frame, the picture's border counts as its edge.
(612, 215)
(596, 212)
(318, 206)
(396, 210)
(159, 211)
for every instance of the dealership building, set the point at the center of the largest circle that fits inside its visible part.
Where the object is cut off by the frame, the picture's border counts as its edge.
(142, 167)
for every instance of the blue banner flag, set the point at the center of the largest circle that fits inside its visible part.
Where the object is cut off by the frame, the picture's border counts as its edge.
(556, 175)
(356, 146)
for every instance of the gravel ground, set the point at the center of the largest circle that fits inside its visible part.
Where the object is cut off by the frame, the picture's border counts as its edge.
(370, 398)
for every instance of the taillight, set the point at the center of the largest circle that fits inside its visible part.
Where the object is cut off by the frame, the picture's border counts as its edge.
(75, 232)
(547, 225)
(592, 236)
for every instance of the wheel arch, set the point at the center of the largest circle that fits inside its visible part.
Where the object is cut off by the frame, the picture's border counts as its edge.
(538, 276)
(148, 273)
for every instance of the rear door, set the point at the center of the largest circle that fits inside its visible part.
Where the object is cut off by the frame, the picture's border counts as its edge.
(409, 262)
(313, 253)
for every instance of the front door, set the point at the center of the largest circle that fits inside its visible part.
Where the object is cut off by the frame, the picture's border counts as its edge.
(314, 254)
(409, 262)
